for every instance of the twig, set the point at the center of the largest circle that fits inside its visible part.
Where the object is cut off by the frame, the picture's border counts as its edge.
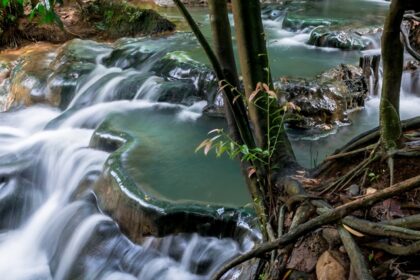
(329, 217)
(355, 255)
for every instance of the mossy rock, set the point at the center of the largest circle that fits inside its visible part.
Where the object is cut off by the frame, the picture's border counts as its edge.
(118, 19)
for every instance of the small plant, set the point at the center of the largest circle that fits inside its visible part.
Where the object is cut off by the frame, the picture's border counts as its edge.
(373, 177)
(266, 100)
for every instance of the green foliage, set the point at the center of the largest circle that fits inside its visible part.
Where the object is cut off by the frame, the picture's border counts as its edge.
(373, 177)
(266, 100)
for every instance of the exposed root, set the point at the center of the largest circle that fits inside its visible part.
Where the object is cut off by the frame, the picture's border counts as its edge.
(351, 153)
(412, 222)
(328, 217)
(397, 250)
(377, 229)
(355, 255)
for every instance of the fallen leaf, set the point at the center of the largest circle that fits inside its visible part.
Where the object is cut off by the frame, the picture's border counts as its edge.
(371, 190)
(328, 268)
(353, 231)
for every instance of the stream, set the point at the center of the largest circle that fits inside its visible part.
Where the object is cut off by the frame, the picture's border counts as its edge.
(147, 95)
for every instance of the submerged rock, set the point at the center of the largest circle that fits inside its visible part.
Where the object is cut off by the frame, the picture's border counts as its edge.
(294, 23)
(141, 213)
(345, 40)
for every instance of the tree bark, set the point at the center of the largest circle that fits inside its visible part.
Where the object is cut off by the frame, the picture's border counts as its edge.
(253, 58)
(392, 57)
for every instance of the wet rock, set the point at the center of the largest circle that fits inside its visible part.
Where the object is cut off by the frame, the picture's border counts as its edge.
(28, 79)
(328, 268)
(197, 79)
(345, 40)
(141, 213)
(324, 102)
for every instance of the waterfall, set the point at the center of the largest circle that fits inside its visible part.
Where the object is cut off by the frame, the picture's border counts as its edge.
(51, 226)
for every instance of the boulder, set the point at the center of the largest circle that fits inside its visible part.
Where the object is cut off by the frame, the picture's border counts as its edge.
(346, 40)
(324, 101)
(119, 19)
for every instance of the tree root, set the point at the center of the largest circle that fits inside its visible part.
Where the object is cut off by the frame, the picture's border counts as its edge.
(345, 180)
(326, 218)
(377, 229)
(407, 222)
(355, 255)
(367, 138)
(396, 250)
(351, 153)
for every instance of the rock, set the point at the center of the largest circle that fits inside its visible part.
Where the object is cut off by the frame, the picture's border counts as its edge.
(28, 78)
(324, 101)
(328, 268)
(120, 19)
(141, 213)
(197, 80)
(345, 40)
(353, 190)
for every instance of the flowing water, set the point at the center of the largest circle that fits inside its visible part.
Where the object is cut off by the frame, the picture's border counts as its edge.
(152, 89)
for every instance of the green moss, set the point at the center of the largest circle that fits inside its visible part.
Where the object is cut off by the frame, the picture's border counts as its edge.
(118, 18)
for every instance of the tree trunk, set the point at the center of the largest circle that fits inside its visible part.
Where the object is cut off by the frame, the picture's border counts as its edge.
(255, 69)
(392, 57)
(222, 40)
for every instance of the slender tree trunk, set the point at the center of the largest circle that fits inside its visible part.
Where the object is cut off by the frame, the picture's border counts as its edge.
(392, 57)
(255, 69)
(222, 40)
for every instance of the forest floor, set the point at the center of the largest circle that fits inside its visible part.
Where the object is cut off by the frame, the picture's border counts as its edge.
(378, 240)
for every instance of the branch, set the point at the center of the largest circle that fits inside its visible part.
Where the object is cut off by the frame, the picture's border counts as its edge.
(327, 218)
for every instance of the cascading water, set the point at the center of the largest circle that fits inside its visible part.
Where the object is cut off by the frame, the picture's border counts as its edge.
(51, 226)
